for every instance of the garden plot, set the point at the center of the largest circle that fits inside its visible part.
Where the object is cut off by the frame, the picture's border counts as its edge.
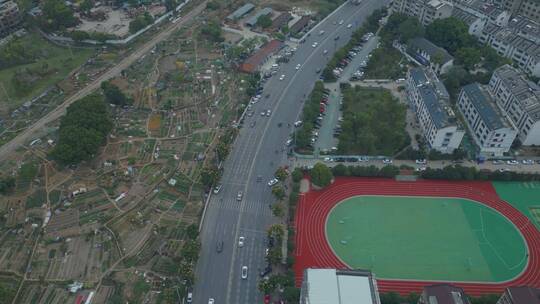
(36, 293)
(131, 123)
(14, 250)
(63, 224)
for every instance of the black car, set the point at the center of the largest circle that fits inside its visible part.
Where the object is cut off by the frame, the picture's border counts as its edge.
(219, 246)
(266, 271)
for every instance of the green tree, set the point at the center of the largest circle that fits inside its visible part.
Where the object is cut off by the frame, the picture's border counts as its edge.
(264, 21)
(83, 130)
(321, 175)
(410, 28)
(57, 15)
(278, 192)
(210, 175)
(281, 174)
(276, 231)
(450, 34)
(190, 251)
(278, 209)
(86, 6)
(192, 231)
(114, 95)
(7, 184)
(297, 175)
(140, 22)
(274, 255)
(79, 36)
(468, 57)
(212, 31)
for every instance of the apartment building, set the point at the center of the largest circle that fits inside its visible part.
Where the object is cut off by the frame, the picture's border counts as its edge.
(10, 17)
(443, 294)
(527, 8)
(519, 41)
(427, 53)
(477, 13)
(519, 100)
(426, 11)
(430, 101)
(491, 131)
(520, 295)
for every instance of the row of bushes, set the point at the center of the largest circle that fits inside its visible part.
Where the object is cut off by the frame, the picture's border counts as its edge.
(309, 115)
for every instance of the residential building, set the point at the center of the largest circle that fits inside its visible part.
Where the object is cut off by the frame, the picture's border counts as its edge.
(241, 12)
(430, 102)
(259, 57)
(427, 53)
(252, 21)
(299, 25)
(527, 8)
(520, 101)
(477, 13)
(280, 21)
(519, 41)
(520, 295)
(443, 294)
(489, 128)
(426, 11)
(338, 287)
(10, 17)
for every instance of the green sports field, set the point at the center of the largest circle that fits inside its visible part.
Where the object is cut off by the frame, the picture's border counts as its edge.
(524, 196)
(426, 238)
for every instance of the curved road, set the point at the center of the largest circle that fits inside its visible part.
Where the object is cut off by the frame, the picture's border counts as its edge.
(258, 151)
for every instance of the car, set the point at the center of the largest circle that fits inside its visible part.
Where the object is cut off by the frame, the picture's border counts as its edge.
(210, 301)
(298, 123)
(349, 26)
(341, 22)
(268, 112)
(267, 299)
(318, 71)
(281, 77)
(189, 297)
(512, 162)
(387, 161)
(272, 182)
(217, 188)
(298, 66)
(503, 170)
(241, 241)
(263, 113)
(420, 161)
(321, 32)
(275, 66)
(314, 45)
(325, 52)
(267, 95)
(527, 162)
(219, 246)
(328, 159)
(336, 38)
(252, 124)
(288, 142)
(244, 272)
(497, 162)
(420, 169)
(239, 195)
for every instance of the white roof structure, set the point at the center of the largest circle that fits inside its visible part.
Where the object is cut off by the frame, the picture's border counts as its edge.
(331, 286)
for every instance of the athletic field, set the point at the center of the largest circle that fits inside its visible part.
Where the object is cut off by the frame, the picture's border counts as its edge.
(426, 238)
(477, 235)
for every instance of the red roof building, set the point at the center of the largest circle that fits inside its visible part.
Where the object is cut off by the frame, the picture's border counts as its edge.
(254, 62)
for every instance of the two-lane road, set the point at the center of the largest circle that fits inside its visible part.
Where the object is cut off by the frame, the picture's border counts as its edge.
(259, 150)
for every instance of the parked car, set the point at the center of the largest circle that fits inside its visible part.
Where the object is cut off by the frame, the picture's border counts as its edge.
(420, 161)
(217, 188)
(244, 272)
(241, 241)
(387, 161)
(272, 182)
(512, 162)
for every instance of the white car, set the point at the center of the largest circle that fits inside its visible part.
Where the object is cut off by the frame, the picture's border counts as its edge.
(263, 113)
(239, 196)
(315, 44)
(512, 162)
(420, 169)
(325, 52)
(281, 77)
(216, 189)
(387, 161)
(298, 123)
(190, 297)
(328, 159)
(288, 142)
(527, 162)
(244, 272)
(272, 182)
(268, 112)
(321, 32)
(341, 22)
(349, 25)
(298, 66)
(421, 162)
(497, 162)
(241, 242)
(210, 301)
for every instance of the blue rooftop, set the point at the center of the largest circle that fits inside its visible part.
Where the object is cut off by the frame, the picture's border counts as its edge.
(484, 106)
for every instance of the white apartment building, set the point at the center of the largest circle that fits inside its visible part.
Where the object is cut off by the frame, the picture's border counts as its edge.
(520, 101)
(426, 11)
(489, 128)
(430, 101)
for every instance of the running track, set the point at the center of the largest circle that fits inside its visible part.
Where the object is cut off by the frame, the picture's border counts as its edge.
(312, 249)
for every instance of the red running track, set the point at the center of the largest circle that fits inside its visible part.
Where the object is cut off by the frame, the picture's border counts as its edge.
(313, 251)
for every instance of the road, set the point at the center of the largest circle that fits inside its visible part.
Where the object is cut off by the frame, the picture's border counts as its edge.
(55, 114)
(259, 150)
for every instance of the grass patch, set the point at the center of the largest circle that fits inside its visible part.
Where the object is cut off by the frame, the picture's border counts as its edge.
(38, 198)
(55, 62)
(385, 64)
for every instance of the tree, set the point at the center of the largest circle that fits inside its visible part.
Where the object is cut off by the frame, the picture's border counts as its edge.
(57, 15)
(438, 57)
(213, 32)
(281, 173)
(190, 251)
(83, 130)
(210, 175)
(86, 6)
(410, 28)
(450, 34)
(274, 255)
(170, 4)
(276, 231)
(264, 21)
(192, 232)
(114, 95)
(468, 57)
(140, 22)
(266, 286)
(297, 175)
(7, 184)
(321, 175)
(79, 36)
(278, 209)
(278, 192)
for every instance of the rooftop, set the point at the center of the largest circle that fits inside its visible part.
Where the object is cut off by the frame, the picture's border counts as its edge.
(241, 11)
(300, 24)
(524, 295)
(484, 105)
(464, 16)
(445, 294)
(527, 93)
(325, 286)
(281, 20)
(430, 48)
(263, 12)
(434, 96)
(256, 59)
